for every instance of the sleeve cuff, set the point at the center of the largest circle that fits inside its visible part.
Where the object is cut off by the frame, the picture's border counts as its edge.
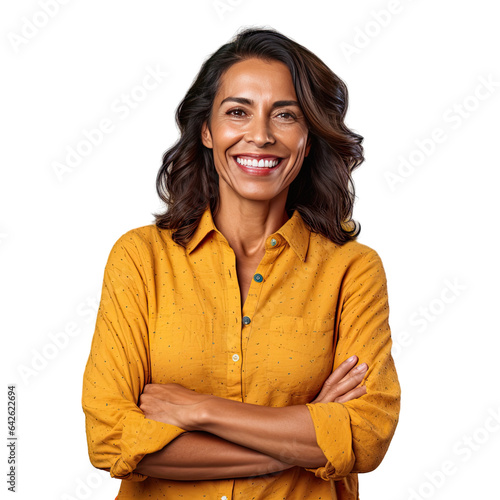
(140, 436)
(332, 425)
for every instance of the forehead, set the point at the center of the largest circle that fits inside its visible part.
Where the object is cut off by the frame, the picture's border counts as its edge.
(256, 78)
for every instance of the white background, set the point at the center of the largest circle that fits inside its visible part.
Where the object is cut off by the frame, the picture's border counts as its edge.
(409, 72)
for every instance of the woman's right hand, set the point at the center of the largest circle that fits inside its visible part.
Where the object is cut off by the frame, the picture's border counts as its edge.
(343, 383)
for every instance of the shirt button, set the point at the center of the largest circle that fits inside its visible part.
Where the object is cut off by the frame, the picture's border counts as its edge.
(236, 358)
(273, 242)
(258, 278)
(246, 320)
(223, 498)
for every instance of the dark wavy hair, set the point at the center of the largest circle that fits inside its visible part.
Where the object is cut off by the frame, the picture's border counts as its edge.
(322, 192)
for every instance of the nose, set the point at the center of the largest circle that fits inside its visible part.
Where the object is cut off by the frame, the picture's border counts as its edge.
(259, 131)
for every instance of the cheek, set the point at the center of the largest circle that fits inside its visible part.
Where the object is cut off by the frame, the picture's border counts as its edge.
(302, 139)
(295, 140)
(226, 134)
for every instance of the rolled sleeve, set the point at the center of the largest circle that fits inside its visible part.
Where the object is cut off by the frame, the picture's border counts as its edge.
(332, 424)
(118, 368)
(355, 436)
(140, 436)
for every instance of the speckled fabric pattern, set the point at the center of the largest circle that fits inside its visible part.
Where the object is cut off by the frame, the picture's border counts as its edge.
(174, 314)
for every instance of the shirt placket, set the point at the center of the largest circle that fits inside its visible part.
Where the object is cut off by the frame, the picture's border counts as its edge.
(239, 330)
(225, 490)
(251, 308)
(232, 333)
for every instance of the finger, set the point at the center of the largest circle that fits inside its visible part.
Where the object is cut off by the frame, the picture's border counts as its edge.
(341, 388)
(357, 392)
(332, 392)
(343, 373)
(147, 401)
(143, 400)
(338, 374)
(356, 370)
(152, 388)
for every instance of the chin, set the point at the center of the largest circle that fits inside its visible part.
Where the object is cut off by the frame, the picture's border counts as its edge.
(259, 196)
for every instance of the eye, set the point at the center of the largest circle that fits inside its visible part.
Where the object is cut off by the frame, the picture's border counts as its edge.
(285, 115)
(236, 112)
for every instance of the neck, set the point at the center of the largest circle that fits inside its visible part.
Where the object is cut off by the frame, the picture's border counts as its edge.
(247, 223)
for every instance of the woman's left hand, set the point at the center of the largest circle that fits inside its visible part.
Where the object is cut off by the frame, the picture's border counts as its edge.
(172, 404)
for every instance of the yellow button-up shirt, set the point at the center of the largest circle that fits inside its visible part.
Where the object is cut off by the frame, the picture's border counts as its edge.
(173, 314)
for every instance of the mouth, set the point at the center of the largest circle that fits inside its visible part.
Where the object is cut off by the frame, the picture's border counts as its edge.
(268, 161)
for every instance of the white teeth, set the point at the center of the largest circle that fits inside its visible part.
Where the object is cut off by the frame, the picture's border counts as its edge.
(257, 163)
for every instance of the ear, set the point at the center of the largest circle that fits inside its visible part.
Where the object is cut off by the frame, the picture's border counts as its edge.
(308, 145)
(206, 136)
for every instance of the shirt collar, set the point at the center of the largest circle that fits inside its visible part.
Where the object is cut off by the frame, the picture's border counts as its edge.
(294, 231)
(205, 226)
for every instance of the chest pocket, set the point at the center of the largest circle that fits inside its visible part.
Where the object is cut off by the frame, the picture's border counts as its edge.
(300, 356)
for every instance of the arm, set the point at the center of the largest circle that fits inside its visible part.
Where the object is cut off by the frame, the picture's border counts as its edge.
(363, 427)
(199, 455)
(286, 434)
(118, 369)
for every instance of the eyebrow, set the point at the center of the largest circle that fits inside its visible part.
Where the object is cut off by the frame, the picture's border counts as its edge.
(249, 102)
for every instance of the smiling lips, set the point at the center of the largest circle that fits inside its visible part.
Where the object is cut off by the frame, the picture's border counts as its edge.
(258, 162)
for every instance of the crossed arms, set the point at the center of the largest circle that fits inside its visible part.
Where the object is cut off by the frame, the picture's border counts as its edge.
(231, 439)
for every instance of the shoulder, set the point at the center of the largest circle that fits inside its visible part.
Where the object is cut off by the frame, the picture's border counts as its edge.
(351, 253)
(356, 265)
(364, 272)
(142, 243)
(360, 254)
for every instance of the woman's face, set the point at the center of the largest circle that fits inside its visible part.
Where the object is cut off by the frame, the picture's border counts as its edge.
(257, 131)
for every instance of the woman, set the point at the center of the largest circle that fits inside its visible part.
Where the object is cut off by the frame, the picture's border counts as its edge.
(210, 373)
